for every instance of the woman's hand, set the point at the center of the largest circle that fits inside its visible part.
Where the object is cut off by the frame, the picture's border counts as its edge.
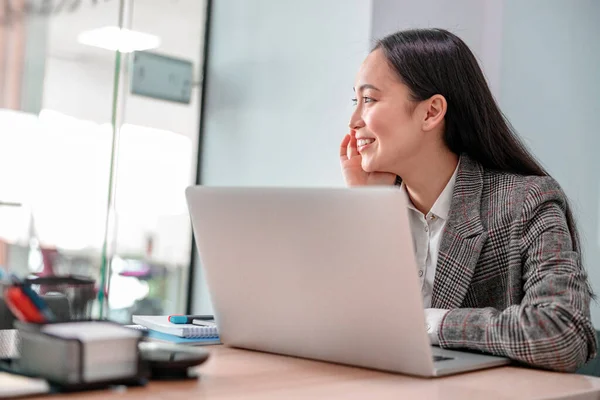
(354, 175)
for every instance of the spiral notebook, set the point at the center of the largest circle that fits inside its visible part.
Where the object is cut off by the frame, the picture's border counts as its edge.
(160, 323)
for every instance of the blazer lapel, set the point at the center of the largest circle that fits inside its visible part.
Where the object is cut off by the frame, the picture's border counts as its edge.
(462, 240)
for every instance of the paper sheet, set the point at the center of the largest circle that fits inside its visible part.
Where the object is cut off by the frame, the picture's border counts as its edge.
(16, 385)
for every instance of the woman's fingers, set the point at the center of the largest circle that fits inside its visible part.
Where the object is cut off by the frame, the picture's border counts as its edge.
(344, 147)
(352, 151)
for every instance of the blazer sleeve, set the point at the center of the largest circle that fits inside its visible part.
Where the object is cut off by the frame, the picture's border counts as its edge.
(551, 328)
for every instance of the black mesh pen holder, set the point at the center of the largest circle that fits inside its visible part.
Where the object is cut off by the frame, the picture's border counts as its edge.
(79, 291)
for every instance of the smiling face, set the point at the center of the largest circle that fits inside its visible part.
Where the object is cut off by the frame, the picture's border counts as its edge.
(387, 123)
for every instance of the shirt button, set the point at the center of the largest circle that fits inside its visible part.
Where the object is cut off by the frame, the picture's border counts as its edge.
(420, 273)
(428, 328)
(426, 229)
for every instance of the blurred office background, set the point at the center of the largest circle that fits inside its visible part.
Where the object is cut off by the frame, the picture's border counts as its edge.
(278, 83)
(61, 89)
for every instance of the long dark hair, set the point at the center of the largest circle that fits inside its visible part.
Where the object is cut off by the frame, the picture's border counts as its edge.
(435, 61)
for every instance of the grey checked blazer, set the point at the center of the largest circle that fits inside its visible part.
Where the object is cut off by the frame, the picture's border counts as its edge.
(509, 274)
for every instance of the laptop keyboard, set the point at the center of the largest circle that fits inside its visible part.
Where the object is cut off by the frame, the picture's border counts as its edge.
(441, 358)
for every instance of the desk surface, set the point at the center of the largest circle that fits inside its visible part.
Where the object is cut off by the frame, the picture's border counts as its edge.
(232, 373)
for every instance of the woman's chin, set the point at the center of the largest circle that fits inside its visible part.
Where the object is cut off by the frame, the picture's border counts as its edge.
(368, 165)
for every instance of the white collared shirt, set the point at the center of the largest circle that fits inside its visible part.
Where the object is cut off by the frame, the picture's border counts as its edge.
(427, 233)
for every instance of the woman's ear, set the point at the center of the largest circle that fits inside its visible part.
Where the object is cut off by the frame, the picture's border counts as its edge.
(436, 107)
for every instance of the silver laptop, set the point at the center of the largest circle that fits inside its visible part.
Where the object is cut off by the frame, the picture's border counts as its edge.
(325, 274)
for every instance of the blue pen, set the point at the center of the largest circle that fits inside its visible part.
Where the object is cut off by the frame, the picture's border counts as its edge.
(39, 303)
(187, 319)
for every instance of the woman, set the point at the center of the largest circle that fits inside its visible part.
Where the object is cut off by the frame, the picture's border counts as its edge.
(495, 240)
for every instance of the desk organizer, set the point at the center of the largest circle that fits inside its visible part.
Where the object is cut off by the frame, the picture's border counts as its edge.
(86, 357)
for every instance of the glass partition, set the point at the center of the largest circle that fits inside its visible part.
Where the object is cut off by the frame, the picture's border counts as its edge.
(94, 168)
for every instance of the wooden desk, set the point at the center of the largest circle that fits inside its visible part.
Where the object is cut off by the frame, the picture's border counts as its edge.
(232, 373)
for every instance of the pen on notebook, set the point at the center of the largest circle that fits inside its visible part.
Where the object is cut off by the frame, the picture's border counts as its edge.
(187, 319)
